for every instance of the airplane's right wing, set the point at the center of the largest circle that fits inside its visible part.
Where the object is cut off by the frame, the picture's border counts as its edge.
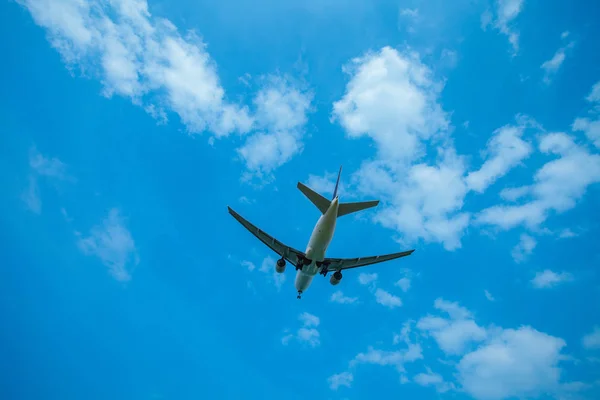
(334, 264)
(287, 252)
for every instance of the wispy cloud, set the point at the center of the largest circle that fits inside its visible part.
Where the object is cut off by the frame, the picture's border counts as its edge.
(502, 19)
(341, 379)
(505, 150)
(42, 167)
(431, 378)
(113, 244)
(489, 296)
(338, 297)
(591, 341)
(591, 127)
(524, 248)
(548, 279)
(553, 189)
(144, 58)
(268, 268)
(551, 66)
(307, 333)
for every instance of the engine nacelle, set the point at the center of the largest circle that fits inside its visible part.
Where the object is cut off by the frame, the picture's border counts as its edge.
(280, 266)
(335, 278)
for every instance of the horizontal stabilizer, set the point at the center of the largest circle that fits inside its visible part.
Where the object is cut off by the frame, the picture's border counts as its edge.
(319, 201)
(349, 208)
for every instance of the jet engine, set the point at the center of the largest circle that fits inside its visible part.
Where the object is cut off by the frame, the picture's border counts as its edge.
(280, 266)
(335, 278)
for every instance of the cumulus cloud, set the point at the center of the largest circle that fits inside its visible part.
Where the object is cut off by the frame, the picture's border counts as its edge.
(524, 248)
(307, 333)
(513, 363)
(387, 299)
(113, 244)
(455, 333)
(505, 150)
(367, 278)
(557, 186)
(281, 113)
(506, 363)
(144, 58)
(502, 19)
(338, 297)
(548, 279)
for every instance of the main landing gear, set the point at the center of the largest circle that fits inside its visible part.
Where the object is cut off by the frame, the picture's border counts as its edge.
(299, 294)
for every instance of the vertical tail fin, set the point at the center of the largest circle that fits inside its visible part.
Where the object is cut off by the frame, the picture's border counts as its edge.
(337, 183)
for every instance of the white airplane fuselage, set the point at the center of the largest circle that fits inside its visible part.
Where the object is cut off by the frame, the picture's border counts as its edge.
(317, 246)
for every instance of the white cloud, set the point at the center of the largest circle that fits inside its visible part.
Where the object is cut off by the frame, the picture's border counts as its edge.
(31, 196)
(431, 378)
(409, 12)
(455, 334)
(506, 363)
(524, 248)
(403, 284)
(268, 268)
(249, 265)
(502, 19)
(113, 244)
(594, 95)
(338, 297)
(566, 233)
(558, 185)
(547, 279)
(395, 358)
(489, 296)
(307, 333)
(145, 58)
(591, 341)
(366, 278)
(392, 98)
(325, 184)
(506, 149)
(40, 166)
(281, 113)
(512, 363)
(552, 65)
(341, 379)
(387, 299)
(591, 129)
(449, 58)
(141, 57)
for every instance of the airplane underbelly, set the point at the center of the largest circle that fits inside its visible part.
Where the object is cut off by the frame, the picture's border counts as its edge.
(303, 281)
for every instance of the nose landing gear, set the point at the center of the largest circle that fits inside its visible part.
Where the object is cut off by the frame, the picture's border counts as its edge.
(299, 294)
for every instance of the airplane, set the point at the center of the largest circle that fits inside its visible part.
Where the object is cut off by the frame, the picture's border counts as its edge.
(313, 260)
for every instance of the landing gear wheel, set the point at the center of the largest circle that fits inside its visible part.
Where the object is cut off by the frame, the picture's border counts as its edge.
(299, 267)
(299, 294)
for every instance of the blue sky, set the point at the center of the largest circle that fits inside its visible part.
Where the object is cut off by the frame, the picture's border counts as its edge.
(128, 126)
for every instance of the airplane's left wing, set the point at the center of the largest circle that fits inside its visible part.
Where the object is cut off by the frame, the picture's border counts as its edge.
(334, 264)
(287, 252)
